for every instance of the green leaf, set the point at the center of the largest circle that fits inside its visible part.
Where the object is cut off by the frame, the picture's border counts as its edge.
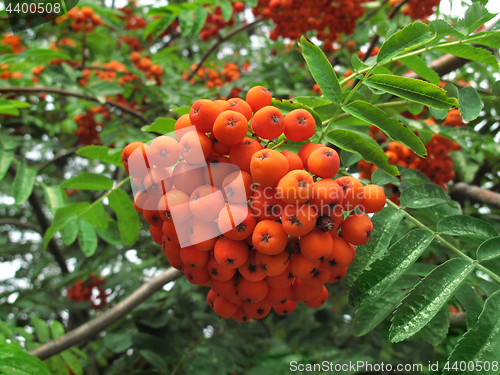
(421, 68)
(442, 28)
(413, 35)
(379, 177)
(128, 218)
(428, 297)
(158, 26)
(45, 55)
(88, 181)
(392, 127)
(72, 362)
(348, 158)
(64, 216)
(480, 345)
(287, 105)
(56, 329)
(463, 225)
(412, 89)
(489, 39)
(412, 175)
(466, 51)
(118, 342)
(451, 89)
(97, 216)
(496, 88)
(6, 158)
(475, 16)
(56, 365)
(424, 195)
(436, 330)
(69, 233)
(356, 63)
(106, 88)
(111, 234)
(156, 360)
(9, 109)
(470, 103)
(53, 197)
(41, 329)
(15, 361)
(227, 10)
(321, 70)
(161, 125)
(489, 249)
(186, 22)
(372, 314)
(352, 142)
(471, 302)
(87, 239)
(383, 273)
(23, 182)
(200, 15)
(184, 110)
(103, 154)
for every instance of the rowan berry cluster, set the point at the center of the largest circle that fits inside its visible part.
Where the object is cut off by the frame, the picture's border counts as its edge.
(293, 17)
(419, 9)
(6, 74)
(132, 21)
(264, 229)
(81, 291)
(62, 42)
(14, 41)
(215, 22)
(132, 42)
(88, 128)
(82, 19)
(145, 65)
(37, 70)
(438, 166)
(215, 79)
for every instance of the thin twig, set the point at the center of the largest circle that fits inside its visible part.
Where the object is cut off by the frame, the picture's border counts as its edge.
(59, 155)
(19, 223)
(104, 320)
(51, 90)
(221, 40)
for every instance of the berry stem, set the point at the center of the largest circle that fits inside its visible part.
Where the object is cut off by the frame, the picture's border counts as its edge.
(337, 112)
(279, 144)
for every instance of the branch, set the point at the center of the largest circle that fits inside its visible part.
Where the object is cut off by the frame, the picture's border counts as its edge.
(76, 95)
(376, 38)
(61, 154)
(475, 194)
(44, 225)
(458, 319)
(94, 326)
(222, 40)
(19, 223)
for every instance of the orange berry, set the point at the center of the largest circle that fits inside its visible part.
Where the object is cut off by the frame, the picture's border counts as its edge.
(299, 125)
(373, 199)
(203, 114)
(230, 127)
(324, 162)
(258, 97)
(268, 123)
(295, 187)
(357, 229)
(269, 237)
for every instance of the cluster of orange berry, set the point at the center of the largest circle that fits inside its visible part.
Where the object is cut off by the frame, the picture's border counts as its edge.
(132, 42)
(62, 42)
(418, 9)
(82, 19)
(259, 226)
(37, 70)
(88, 129)
(214, 22)
(144, 64)
(438, 166)
(215, 79)
(6, 74)
(293, 17)
(14, 41)
(81, 291)
(132, 21)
